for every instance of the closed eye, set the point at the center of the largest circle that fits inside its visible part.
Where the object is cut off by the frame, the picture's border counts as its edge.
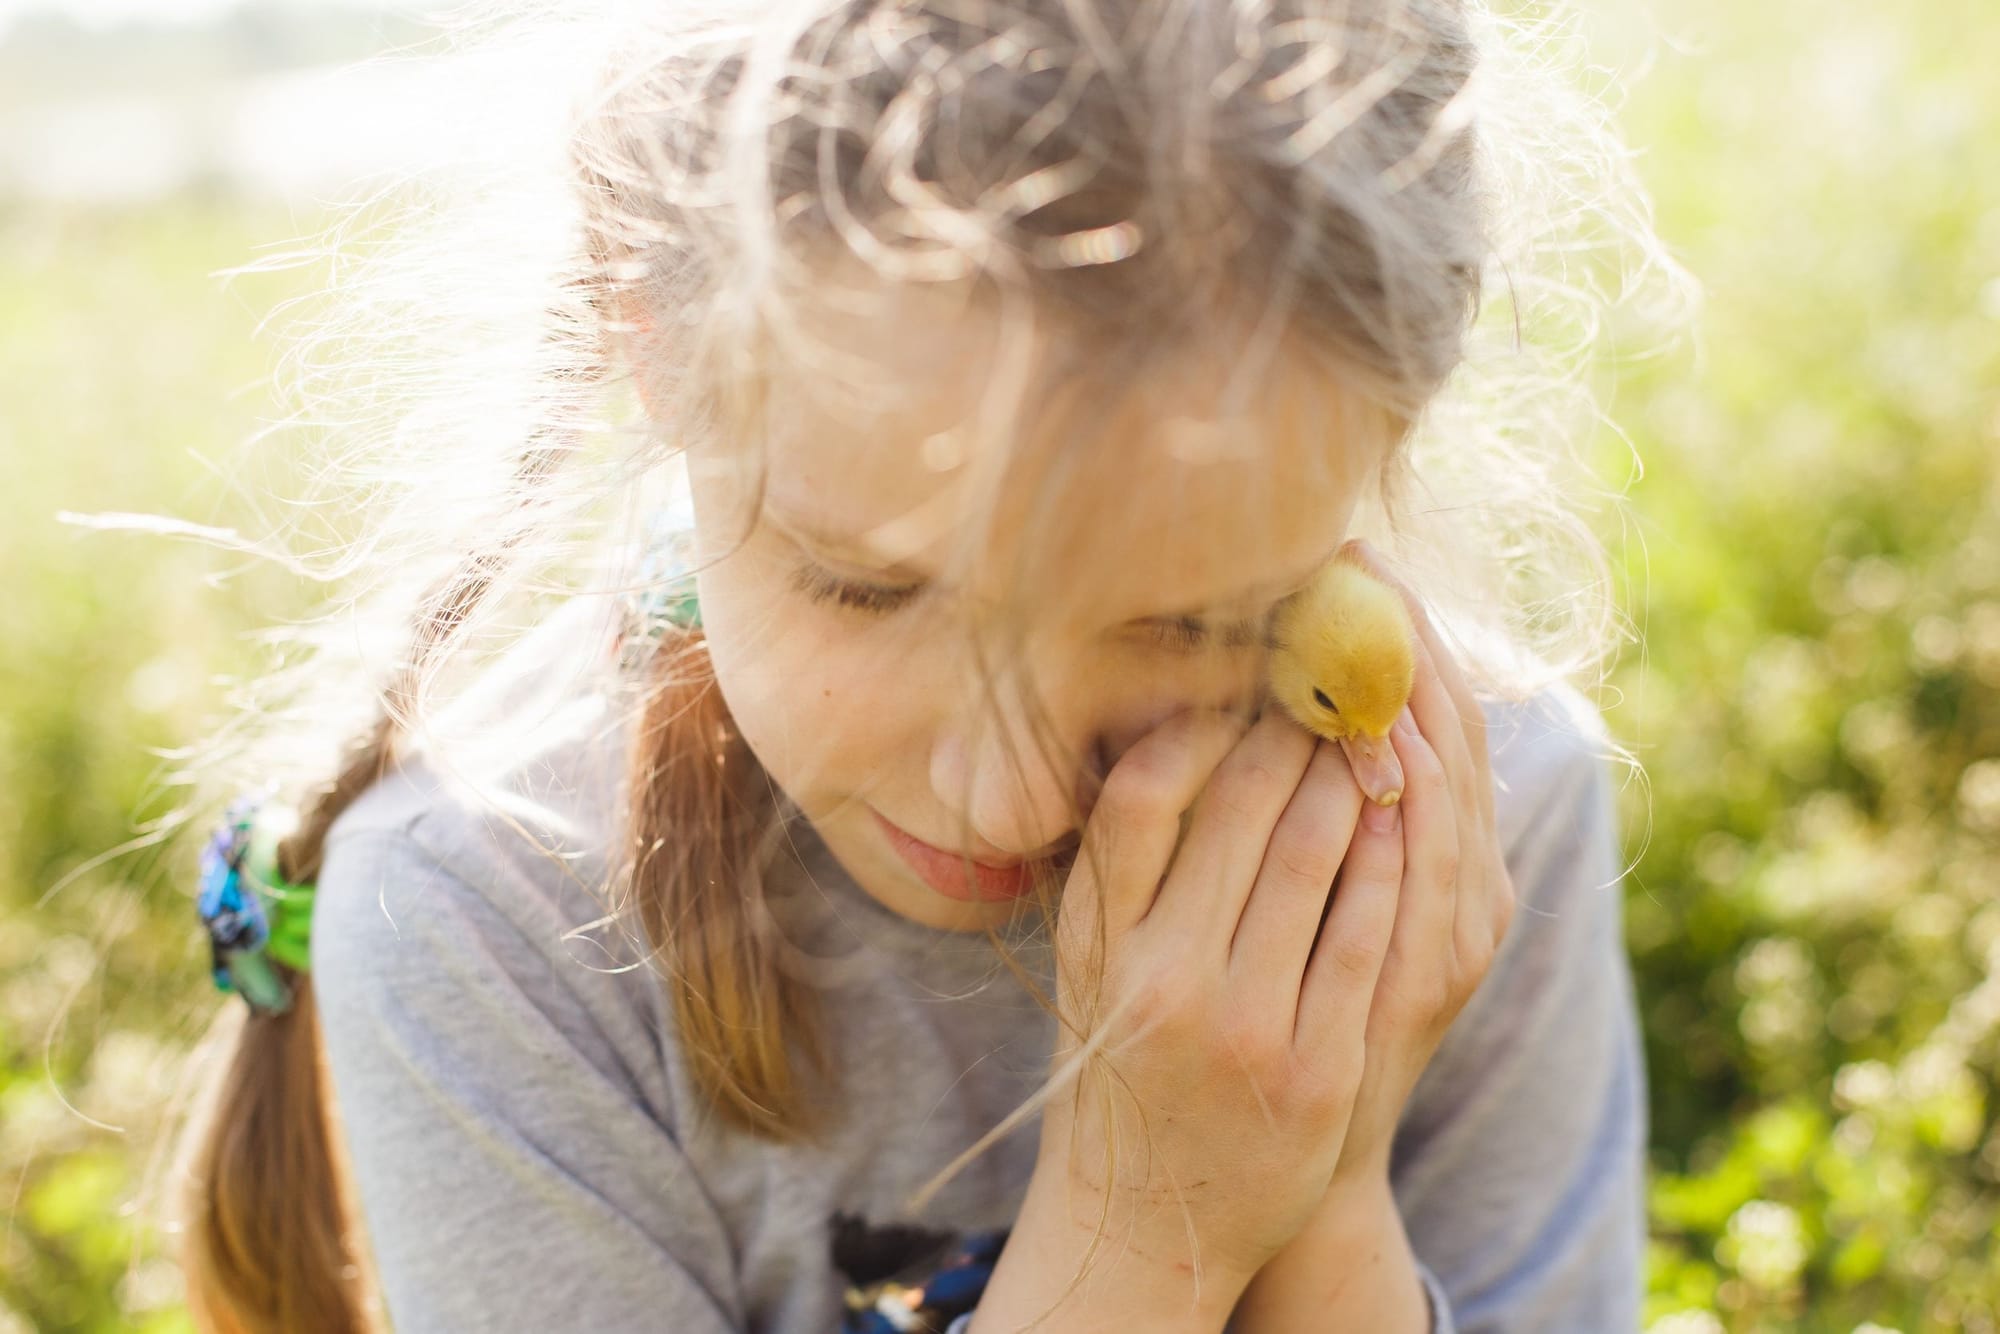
(1182, 633)
(1179, 632)
(821, 585)
(1190, 632)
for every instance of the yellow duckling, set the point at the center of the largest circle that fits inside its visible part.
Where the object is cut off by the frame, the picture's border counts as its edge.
(1343, 662)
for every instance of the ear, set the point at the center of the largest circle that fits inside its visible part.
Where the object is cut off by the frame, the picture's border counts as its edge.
(625, 334)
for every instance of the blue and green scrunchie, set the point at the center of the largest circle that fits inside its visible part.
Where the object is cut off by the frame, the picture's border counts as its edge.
(255, 918)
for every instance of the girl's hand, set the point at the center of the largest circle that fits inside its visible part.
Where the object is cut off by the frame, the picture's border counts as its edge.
(1457, 897)
(1457, 900)
(1232, 1019)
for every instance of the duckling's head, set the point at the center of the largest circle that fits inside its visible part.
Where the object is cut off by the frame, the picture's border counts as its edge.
(1343, 661)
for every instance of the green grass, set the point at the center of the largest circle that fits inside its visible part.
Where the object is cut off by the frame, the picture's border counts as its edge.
(1818, 549)
(123, 366)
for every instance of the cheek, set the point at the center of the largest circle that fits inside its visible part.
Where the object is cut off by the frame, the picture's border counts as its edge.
(1141, 700)
(819, 700)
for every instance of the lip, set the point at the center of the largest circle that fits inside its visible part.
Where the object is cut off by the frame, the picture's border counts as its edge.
(946, 872)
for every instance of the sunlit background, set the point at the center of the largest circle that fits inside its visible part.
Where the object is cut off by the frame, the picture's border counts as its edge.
(1813, 555)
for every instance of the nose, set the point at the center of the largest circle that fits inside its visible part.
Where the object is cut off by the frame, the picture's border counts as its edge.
(1018, 779)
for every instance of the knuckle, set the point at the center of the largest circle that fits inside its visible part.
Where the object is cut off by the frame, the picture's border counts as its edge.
(1305, 862)
(1488, 955)
(1247, 1038)
(1243, 791)
(1426, 774)
(1355, 958)
(1449, 995)
(1156, 1003)
(1446, 866)
(1376, 860)
(1417, 995)
(1331, 1083)
(1456, 995)
(1475, 957)
(1139, 791)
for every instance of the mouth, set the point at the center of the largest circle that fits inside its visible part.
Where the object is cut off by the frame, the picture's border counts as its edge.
(956, 876)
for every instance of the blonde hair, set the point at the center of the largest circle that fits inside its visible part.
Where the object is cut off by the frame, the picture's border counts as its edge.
(1369, 174)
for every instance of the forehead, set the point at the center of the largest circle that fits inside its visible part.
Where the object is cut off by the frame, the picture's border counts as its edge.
(939, 436)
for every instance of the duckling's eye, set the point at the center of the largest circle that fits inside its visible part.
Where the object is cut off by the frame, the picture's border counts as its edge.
(1319, 698)
(823, 586)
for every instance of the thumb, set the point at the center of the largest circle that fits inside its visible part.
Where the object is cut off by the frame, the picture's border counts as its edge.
(1142, 815)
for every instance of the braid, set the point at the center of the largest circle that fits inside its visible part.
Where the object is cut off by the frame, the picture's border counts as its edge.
(300, 853)
(275, 1245)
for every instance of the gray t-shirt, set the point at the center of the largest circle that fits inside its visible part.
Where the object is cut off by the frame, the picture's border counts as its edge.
(532, 1154)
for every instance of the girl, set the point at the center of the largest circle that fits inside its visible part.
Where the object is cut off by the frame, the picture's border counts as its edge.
(907, 913)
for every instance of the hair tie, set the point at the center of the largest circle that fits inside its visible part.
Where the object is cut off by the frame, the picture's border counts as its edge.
(666, 596)
(255, 918)
(668, 575)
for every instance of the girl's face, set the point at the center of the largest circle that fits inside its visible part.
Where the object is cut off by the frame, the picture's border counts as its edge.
(849, 630)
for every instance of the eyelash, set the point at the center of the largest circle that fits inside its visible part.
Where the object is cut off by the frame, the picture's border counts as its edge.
(1183, 632)
(821, 586)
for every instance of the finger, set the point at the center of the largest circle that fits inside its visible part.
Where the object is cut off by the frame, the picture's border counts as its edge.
(1274, 939)
(1231, 827)
(1429, 913)
(1436, 660)
(1443, 728)
(1339, 983)
(1135, 826)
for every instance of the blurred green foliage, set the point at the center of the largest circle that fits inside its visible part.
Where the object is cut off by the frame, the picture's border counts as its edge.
(1815, 567)
(1812, 914)
(127, 373)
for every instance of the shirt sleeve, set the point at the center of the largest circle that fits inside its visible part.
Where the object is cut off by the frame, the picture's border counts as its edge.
(513, 1154)
(1519, 1166)
(1437, 1304)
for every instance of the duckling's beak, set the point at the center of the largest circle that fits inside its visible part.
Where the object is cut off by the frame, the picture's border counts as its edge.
(1375, 767)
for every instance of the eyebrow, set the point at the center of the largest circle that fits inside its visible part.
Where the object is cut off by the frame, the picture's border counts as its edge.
(846, 548)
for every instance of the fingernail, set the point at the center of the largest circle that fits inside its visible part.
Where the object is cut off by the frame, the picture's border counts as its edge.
(1382, 819)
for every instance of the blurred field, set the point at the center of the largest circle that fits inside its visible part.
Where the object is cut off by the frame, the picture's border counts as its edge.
(1815, 565)
(120, 362)
(1814, 919)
